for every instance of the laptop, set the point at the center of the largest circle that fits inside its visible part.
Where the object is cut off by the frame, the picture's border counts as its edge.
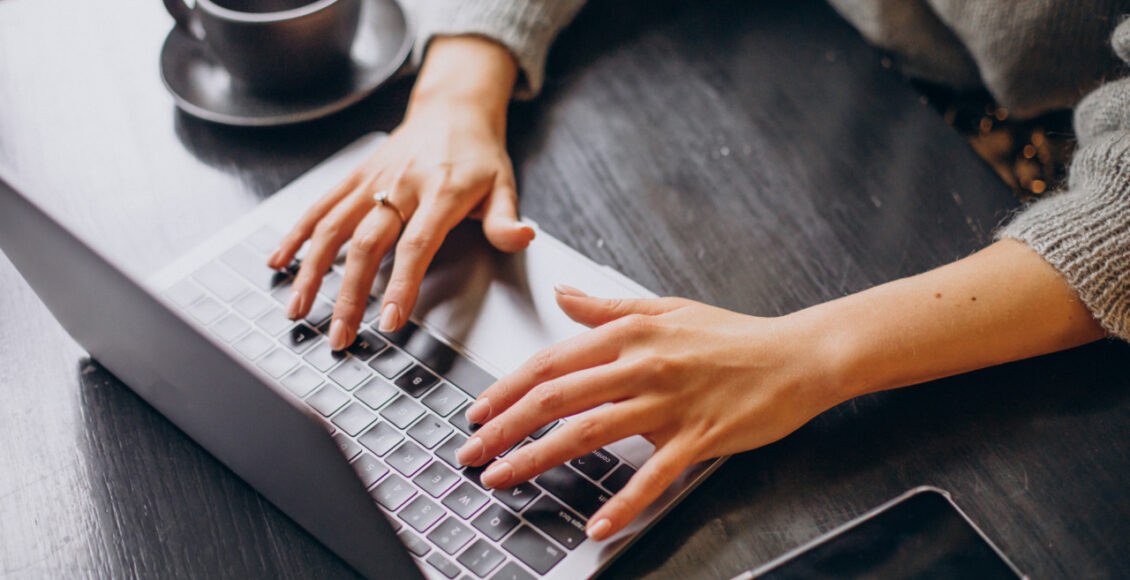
(357, 447)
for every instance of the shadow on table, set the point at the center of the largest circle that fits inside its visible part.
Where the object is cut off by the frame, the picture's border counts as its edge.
(267, 158)
(933, 433)
(165, 507)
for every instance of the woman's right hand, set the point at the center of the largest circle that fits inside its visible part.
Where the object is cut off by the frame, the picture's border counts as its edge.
(445, 162)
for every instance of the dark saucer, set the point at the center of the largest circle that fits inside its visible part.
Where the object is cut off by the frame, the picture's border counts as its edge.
(202, 87)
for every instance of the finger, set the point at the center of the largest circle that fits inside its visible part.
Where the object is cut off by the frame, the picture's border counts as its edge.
(500, 218)
(574, 439)
(422, 238)
(372, 239)
(656, 475)
(329, 235)
(593, 312)
(293, 240)
(545, 403)
(586, 350)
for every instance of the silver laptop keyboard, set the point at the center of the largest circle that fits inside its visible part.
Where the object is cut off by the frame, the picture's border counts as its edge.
(395, 405)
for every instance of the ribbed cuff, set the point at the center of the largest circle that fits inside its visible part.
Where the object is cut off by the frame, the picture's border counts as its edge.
(525, 27)
(1084, 232)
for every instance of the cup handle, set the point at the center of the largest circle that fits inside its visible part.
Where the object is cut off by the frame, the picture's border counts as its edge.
(186, 18)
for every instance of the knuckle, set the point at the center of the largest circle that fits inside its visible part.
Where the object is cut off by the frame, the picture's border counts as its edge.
(633, 324)
(327, 230)
(547, 397)
(542, 363)
(415, 242)
(347, 302)
(366, 243)
(587, 431)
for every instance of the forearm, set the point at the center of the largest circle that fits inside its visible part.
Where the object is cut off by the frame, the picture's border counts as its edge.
(1002, 304)
(466, 72)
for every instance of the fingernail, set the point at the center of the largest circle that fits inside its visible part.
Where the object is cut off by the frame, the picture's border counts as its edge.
(498, 474)
(294, 308)
(568, 290)
(470, 452)
(338, 337)
(478, 412)
(598, 530)
(276, 256)
(390, 318)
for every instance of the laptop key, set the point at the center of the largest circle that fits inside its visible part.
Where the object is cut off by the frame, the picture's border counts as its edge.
(300, 338)
(465, 500)
(408, 458)
(327, 400)
(390, 362)
(277, 363)
(393, 492)
(416, 381)
(561, 524)
(445, 566)
(206, 310)
(184, 293)
(368, 468)
(436, 479)
(421, 513)
(322, 357)
(251, 305)
(331, 285)
(495, 522)
(444, 399)
(348, 448)
(380, 439)
(543, 430)
(301, 381)
(319, 312)
(354, 419)
(618, 479)
(533, 550)
(429, 431)
(414, 543)
(366, 345)
(402, 412)
(447, 451)
(512, 571)
(264, 240)
(230, 327)
(253, 345)
(517, 497)
(221, 281)
(481, 558)
(595, 464)
(274, 322)
(576, 491)
(376, 392)
(350, 374)
(459, 420)
(372, 310)
(451, 535)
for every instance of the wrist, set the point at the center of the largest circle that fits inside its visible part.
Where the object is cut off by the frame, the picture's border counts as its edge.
(830, 357)
(468, 74)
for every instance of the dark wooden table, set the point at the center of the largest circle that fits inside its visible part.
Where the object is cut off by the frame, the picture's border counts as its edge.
(754, 155)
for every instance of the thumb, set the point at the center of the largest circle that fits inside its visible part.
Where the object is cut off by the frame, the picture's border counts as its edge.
(592, 311)
(500, 219)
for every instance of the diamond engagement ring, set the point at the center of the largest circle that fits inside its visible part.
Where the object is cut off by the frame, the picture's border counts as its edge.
(381, 197)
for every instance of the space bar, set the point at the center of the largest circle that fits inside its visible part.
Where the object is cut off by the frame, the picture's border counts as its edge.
(442, 359)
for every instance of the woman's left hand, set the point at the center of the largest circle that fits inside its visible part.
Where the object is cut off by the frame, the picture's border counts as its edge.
(698, 382)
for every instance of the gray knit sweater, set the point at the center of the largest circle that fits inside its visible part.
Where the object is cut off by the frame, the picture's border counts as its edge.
(1032, 55)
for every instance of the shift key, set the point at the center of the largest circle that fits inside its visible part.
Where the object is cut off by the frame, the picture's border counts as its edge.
(576, 491)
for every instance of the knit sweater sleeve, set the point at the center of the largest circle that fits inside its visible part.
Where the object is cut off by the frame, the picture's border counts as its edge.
(525, 27)
(1084, 230)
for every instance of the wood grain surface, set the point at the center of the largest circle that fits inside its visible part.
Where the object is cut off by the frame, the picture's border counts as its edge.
(753, 155)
